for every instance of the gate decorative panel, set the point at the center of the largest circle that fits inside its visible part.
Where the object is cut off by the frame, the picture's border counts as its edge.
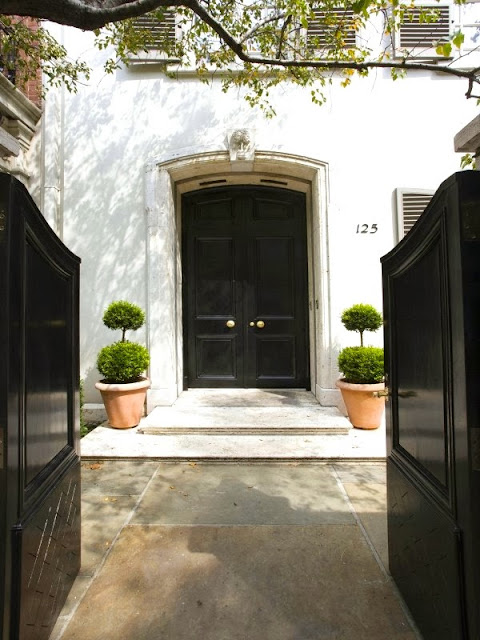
(431, 286)
(39, 418)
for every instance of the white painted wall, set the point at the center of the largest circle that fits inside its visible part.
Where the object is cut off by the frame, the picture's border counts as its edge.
(375, 136)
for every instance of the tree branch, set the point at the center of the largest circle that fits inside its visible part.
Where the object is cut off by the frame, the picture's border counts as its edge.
(93, 14)
(336, 65)
(282, 36)
(84, 14)
(259, 25)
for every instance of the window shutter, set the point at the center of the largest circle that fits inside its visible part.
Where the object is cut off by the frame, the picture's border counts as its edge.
(418, 37)
(410, 204)
(320, 33)
(161, 30)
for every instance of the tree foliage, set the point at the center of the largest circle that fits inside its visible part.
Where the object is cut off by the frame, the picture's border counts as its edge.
(122, 361)
(255, 43)
(123, 315)
(25, 50)
(362, 365)
(360, 318)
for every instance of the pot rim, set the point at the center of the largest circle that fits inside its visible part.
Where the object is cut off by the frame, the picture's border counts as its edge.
(144, 383)
(351, 386)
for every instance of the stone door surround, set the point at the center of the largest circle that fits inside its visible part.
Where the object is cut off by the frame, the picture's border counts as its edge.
(166, 179)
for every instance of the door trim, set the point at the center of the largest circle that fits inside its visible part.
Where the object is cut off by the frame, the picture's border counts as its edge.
(165, 181)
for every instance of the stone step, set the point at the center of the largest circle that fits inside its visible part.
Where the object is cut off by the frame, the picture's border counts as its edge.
(299, 420)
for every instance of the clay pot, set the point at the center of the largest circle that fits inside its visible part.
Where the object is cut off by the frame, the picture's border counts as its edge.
(364, 409)
(124, 402)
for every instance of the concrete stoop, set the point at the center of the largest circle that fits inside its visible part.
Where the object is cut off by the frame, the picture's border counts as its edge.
(239, 425)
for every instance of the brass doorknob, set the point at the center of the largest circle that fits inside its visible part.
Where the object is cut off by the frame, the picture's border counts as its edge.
(260, 324)
(230, 324)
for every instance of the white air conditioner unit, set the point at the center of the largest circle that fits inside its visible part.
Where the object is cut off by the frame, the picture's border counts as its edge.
(417, 37)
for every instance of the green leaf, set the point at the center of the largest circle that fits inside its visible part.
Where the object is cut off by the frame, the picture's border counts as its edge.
(361, 5)
(444, 49)
(458, 39)
(467, 161)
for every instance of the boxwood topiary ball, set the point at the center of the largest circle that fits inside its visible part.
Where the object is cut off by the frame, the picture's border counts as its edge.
(361, 317)
(362, 365)
(122, 361)
(123, 315)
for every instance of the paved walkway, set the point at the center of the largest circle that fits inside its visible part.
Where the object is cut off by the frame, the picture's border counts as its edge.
(245, 424)
(257, 551)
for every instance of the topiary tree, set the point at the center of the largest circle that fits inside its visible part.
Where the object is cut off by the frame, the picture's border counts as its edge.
(361, 317)
(123, 361)
(123, 315)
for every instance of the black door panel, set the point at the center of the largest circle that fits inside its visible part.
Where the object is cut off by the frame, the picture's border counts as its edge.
(244, 266)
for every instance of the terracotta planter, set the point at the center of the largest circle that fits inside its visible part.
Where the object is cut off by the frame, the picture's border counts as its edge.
(124, 402)
(364, 410)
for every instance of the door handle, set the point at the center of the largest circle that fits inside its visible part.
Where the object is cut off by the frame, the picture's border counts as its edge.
(260, 324)
(230, 324)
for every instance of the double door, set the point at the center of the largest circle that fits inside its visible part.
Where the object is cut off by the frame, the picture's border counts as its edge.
(245, 288)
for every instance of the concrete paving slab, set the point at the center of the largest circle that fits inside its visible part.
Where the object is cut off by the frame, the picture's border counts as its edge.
(239, 583)
(369, 500)
(102, 518)
(354, 472)
(77, 592)
(124, 478)
(306, 577)
(227, 494)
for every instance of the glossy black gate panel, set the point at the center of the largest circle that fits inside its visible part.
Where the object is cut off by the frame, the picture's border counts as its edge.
(46, 362)
(39, 414)
(425, 558)
(421, 350)
(431, 284)
(245, 284)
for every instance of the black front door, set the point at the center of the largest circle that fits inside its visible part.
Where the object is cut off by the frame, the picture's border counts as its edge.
(245, 283)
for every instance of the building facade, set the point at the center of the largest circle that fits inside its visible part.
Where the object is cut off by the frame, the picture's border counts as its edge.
(190, 203)
(20, 120)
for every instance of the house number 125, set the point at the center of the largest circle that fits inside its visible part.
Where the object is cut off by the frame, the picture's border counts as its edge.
(367, 228)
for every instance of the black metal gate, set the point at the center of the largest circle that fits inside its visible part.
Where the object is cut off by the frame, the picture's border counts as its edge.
(432, 356)
(39, 418)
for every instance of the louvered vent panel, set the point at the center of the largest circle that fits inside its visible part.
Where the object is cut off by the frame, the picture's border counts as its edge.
(319, 30)
(161, 31)
(414, 33)
(413, 205)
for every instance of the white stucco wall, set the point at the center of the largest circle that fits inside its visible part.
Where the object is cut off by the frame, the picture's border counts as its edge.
(374, 136)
